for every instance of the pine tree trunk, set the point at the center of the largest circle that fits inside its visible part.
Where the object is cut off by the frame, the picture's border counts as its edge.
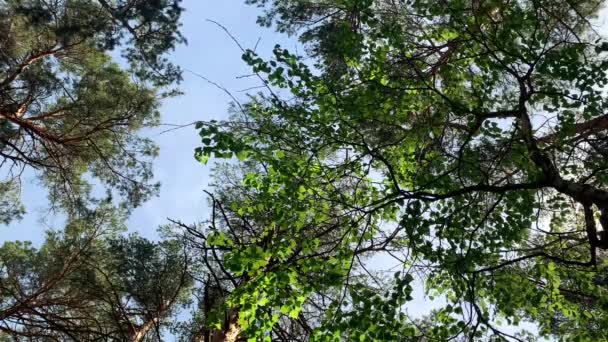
(232, 332)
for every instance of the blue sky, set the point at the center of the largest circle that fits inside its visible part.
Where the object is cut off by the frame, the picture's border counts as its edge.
(210, 52)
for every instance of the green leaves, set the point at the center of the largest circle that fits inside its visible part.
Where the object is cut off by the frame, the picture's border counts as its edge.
(90, 262)
(372, 317)
(461, 140)
(69, 110)
(249, 260)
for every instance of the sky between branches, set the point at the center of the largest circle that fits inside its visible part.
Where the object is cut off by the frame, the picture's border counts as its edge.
(210, 52)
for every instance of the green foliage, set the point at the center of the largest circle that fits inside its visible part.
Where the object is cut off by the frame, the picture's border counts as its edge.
(67, 110)
(467, 137)
(372, 317)
(87, 282)
(10, 204)
(463, 140)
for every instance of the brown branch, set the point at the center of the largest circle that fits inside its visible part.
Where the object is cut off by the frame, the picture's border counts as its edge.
(582, 130)
(33, 58)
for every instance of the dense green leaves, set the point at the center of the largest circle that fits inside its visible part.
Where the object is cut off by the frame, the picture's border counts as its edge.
(465, 139)
(89, 283)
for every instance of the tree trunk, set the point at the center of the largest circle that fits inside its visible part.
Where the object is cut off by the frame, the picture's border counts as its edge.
(232, 330)
(139, 334)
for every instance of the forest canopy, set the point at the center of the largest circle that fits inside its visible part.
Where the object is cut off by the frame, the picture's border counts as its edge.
(68, 112)
(462, 142)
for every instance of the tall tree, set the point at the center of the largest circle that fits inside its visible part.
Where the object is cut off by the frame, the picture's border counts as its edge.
(71, 113)
(88, 283)
(229, 251)
(475, 133)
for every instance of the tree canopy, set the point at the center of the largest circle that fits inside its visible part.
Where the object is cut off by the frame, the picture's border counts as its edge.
(465, 139)
(458, 147)
(71, 113)
(89, 283)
